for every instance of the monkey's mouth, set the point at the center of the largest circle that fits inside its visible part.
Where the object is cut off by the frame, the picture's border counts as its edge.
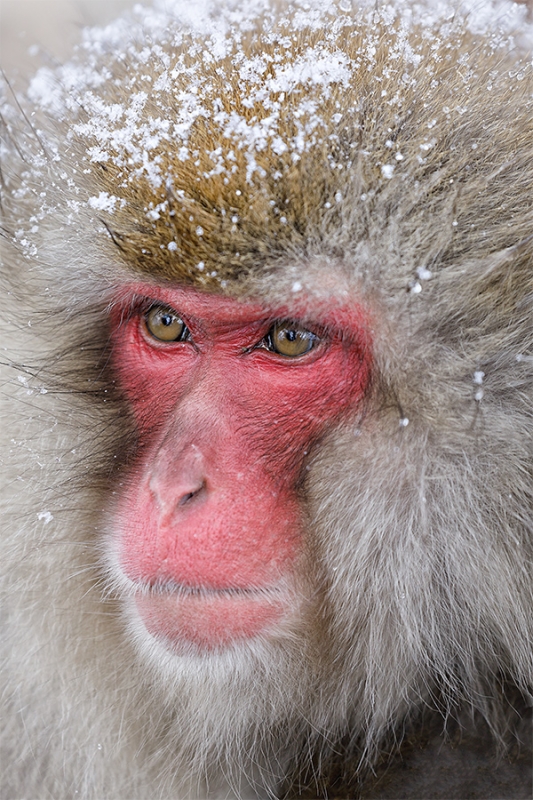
(209, 619)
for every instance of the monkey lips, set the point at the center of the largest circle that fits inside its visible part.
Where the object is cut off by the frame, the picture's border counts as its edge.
(208, 620)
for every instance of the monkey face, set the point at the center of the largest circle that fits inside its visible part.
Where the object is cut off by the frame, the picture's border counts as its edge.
(229, 399)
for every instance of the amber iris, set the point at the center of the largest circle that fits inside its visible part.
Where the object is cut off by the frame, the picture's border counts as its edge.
(289, 339)
(163, 324)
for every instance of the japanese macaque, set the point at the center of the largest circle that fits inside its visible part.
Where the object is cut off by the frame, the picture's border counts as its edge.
(268, 357)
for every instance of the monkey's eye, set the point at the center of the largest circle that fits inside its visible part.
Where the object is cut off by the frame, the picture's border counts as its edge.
(163, 324)
(289, 339)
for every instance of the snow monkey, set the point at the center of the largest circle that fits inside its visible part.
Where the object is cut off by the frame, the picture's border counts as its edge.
(268, 351)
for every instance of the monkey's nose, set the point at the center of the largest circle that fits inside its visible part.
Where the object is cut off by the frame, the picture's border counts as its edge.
(178, 481)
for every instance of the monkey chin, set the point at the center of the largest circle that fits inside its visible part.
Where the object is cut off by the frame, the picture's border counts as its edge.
(204, 621)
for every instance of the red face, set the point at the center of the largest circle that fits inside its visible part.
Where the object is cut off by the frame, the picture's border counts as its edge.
(229, 399)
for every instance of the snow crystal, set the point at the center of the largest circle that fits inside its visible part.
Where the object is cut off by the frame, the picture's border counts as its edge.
(104, 202)
(45, 516)
(423, 273)
(46, 90)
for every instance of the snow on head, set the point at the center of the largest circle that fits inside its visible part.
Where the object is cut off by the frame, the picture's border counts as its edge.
(195, 46)
(194, 117)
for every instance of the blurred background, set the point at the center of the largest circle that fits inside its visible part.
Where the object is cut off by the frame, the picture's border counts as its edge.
(37, 32)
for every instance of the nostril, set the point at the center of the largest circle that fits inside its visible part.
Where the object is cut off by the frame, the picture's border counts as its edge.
(190, 495)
